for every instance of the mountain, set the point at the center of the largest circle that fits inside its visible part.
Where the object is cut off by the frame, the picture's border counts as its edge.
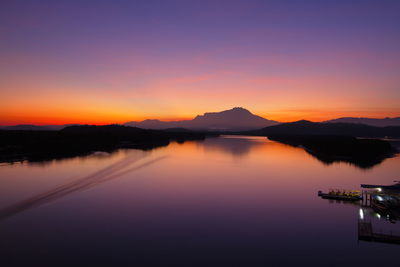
(31, 127)
(368, 121)
(318, 128)
(28, 127)
(157, 124)
(236, 119)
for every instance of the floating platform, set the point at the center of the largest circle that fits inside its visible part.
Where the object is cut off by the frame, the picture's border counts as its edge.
(339, 197)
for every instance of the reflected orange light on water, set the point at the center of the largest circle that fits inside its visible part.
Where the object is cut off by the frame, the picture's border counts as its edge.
(235, 174)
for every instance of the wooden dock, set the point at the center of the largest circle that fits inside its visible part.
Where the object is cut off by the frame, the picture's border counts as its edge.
(366, 198)
(366, 233)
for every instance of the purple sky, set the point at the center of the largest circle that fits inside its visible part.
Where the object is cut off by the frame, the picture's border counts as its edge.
(111, 61)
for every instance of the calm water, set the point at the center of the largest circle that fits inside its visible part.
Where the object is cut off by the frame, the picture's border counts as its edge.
(228, 201)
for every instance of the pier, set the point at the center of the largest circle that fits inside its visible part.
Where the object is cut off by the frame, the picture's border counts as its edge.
(366, 233)
(366, 198)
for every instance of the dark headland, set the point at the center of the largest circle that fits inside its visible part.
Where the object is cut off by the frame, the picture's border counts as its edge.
(364, 153)
(18, 145)
(355, 143)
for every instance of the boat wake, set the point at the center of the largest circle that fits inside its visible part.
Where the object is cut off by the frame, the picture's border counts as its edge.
(115, 170)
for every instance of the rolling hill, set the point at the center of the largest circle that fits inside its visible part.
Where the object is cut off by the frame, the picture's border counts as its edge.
(368, 121)
(304, 127)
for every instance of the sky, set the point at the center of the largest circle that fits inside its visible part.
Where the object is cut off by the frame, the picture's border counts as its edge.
(101, 62)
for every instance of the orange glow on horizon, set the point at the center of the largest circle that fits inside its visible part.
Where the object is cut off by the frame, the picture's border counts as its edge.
(104, 118)
(283, 99)
(84, 67)
(319, 116)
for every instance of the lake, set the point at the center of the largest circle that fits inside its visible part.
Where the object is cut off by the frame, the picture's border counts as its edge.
(224, 201)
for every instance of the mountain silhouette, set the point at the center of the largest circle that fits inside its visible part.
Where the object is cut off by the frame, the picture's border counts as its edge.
(236, 119)
(304, 127)
(32, 127)
(368, 121)
(27, 127)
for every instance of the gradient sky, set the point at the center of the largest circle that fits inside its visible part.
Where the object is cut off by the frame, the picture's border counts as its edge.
(116, 61)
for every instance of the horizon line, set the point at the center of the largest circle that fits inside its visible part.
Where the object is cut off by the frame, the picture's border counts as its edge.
(122, 122)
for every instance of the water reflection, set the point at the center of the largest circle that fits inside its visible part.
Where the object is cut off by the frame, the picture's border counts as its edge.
(366, 163)
(241, 146)
(239, 203)
(115, 170)
(237, 146)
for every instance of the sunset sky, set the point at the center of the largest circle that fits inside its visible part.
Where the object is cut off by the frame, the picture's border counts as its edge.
(115, 61)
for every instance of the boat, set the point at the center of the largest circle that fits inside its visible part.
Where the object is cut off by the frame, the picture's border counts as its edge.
(351, 196)
(395, 186)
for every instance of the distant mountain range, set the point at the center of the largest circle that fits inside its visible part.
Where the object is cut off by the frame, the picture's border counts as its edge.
(304, 127)
(368, 121)
(31, 127)
(236, 119)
